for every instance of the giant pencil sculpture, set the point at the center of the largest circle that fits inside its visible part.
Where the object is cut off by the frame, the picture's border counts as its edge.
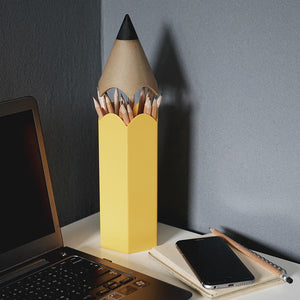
(127, 150)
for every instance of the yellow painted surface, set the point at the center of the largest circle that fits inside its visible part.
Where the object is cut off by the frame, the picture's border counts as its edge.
(135, 109)
(128, 183)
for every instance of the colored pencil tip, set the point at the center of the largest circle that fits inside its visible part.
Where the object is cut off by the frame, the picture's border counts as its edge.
(127, 31)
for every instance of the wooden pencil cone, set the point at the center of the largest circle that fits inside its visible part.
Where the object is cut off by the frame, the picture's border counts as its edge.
(127, 67)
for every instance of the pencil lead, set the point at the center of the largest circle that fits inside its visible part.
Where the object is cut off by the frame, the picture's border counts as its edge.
(127, 31)
(122, 100)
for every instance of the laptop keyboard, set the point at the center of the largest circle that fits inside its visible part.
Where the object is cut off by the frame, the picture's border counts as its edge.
(73, 278)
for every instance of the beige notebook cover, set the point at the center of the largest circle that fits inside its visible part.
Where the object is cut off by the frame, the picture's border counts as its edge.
(168, 256)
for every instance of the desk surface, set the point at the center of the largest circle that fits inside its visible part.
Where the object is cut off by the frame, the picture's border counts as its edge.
(84, 235)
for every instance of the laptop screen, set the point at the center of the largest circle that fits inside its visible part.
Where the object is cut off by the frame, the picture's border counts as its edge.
(28, 219)
(22, 183)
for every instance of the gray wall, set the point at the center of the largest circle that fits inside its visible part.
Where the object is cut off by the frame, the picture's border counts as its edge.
(51, 50)
(229, 125)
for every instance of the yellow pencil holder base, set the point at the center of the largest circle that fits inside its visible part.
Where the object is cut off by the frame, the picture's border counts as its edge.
(128, 183)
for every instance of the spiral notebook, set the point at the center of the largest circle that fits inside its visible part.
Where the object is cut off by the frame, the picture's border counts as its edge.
(170, 258)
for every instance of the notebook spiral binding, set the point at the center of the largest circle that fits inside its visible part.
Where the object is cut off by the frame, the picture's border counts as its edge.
(282, 270)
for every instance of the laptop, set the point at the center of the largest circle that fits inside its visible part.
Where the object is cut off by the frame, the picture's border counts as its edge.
(34, 264)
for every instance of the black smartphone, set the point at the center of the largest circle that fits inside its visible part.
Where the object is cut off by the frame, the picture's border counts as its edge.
(214, 263)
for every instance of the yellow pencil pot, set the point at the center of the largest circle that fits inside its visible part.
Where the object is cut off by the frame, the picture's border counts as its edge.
(128, 183)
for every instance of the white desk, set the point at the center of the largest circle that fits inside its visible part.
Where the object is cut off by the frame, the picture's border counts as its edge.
(84, 235)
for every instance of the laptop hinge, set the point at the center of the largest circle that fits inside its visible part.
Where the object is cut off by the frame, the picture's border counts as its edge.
(21, 271)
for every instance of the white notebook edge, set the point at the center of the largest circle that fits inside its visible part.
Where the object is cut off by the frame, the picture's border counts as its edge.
(179, 276)
(227, 293)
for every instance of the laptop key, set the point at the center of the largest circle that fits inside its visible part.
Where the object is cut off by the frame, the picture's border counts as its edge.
(114, 285)
(102, 291)
(104, 278)
(71, 279)
(98, 272)
(88, 297)
(126, 280)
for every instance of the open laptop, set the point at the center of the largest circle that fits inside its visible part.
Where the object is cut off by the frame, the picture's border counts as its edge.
(34, 264)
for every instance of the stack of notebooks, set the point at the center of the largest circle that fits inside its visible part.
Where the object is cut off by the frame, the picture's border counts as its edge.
(169, 257)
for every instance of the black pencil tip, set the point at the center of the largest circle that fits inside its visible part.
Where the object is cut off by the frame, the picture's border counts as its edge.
(127, 31)
(289, 280)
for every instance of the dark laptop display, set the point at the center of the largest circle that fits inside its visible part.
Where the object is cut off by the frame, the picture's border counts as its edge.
(23, 181)
(34, 264)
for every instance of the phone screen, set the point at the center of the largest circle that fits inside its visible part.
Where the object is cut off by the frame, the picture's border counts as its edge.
(214, 263)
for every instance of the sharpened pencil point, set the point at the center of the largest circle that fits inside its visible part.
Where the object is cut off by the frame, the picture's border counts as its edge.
(127, 31)
(289, 280)
(98, 109)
